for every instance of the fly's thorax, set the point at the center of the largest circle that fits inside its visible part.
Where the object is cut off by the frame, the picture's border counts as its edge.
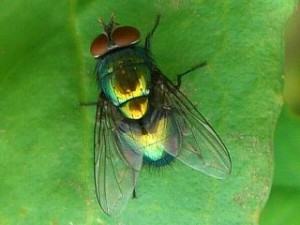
(124, 77)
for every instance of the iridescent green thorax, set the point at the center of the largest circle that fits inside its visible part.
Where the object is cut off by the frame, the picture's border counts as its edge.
(124, 77)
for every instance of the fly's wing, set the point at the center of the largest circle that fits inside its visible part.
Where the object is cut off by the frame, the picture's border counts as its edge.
(201, 147)
(115, 177)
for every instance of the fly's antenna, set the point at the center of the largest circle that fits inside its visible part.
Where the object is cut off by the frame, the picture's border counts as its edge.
(108, 27)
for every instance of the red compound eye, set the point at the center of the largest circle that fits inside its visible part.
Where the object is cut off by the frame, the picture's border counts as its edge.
(124, 36)
(99, 45)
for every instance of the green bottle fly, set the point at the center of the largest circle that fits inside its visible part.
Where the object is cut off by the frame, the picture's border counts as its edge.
(143, 118)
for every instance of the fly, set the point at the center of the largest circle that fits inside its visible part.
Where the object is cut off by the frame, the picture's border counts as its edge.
(144, 118)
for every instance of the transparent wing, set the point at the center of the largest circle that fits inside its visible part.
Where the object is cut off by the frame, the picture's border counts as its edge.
(115, 177)
(201, 147)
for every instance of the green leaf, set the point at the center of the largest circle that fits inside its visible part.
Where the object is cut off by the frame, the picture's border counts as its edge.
(46, 138)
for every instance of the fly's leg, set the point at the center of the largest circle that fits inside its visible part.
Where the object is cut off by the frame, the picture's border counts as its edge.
(89, 104)
(134, 194)
(149, 36)
(101, 98)
(179, 76)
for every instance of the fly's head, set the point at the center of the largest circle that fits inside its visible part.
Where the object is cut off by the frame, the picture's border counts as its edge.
(113, 37)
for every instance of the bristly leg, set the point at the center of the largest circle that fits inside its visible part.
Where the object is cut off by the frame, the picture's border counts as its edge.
(150, 35)
(179, 76)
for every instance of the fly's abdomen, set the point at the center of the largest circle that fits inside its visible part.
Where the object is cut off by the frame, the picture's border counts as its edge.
(153, 136)
(125, 79)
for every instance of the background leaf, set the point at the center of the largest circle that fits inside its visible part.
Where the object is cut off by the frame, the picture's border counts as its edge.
(284, 202)
(46, 137)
